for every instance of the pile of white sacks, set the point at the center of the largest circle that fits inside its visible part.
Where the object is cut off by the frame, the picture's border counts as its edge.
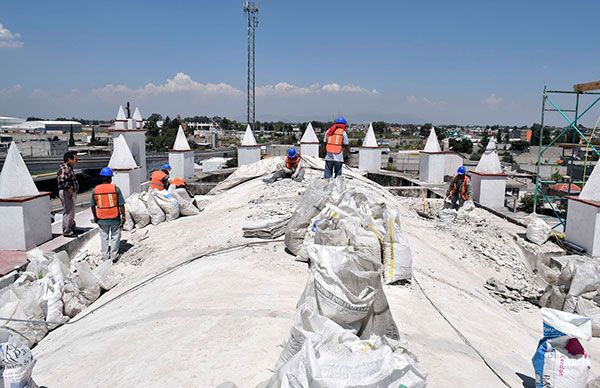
(344, 334)
(156, 206)
(50, 292)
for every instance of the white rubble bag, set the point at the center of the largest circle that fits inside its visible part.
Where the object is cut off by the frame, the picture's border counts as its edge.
(589, 309)
(129, 223)
(136, 206)
(465, 211)
(560, 360)
(16, 362)
(167, 203)
(106, 276)
(347, 289)
(156, 213)
(311, 203)
(186, 205)
(329, 356)
(538, 231)
(447, 215)
(23, 304)
(397, 257)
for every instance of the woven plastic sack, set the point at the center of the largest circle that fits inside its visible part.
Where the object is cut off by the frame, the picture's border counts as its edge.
(16, 362)
(137, 208)
(167, 203)
(157, 215)
(538, 231)
(186, 205)
(397, 257)
(560, 360)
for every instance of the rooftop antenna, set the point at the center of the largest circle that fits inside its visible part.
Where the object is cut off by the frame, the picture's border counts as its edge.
(251, 10)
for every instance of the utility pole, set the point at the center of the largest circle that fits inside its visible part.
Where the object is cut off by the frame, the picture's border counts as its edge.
(251, 10)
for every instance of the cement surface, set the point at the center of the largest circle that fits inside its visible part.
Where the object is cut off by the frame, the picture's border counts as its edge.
(223, 317)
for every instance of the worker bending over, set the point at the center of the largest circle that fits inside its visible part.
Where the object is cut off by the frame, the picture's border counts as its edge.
(459, 190)
(292, 168)
(108, 208)
(336, 141)
(159, 180)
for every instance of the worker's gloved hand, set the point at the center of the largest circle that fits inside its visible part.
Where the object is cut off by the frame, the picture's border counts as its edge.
(122, 221)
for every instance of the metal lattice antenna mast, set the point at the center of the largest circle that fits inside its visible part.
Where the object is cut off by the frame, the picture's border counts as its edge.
(251, 10)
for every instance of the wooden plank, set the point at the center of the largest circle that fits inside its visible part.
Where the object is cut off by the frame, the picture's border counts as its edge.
(586, 87)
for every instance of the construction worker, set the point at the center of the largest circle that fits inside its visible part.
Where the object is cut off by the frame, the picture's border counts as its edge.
(292, 168)
(336, 141)
(67, 192)
(108, 208)
(180, 184)
(459, 190)
(159, 180)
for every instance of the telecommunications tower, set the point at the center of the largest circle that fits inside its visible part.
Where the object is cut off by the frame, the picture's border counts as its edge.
(251, 10)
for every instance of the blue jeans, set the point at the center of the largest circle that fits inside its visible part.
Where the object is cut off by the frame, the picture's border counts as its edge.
(332, 167)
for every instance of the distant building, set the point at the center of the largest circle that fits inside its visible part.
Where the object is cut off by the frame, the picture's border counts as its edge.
(205, 138)
(526, 135)
(43, 127)
(10, 121)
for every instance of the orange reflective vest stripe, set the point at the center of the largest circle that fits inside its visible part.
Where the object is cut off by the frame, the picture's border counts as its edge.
(292, 163)
(335, 141)
(178, 182)
(464, 194)
(156, 180)
(106, 198)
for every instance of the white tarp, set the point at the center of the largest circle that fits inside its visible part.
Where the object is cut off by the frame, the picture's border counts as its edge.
(15, 180)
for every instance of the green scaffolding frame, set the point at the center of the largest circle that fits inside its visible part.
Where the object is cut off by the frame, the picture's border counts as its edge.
(572, 125)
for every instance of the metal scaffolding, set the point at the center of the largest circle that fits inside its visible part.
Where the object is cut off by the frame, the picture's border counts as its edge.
(575, 138)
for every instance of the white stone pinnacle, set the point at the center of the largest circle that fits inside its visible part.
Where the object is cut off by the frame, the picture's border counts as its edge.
(15, 180)
(489, 162)
(432, 145)
(591, 190)
(121, 113)
(249, 139)
(181, 143)
(370, 140)
(121, 158)
(309, 135)
(137, 116)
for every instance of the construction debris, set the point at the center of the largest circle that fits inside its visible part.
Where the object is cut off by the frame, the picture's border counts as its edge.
(343, 321)
(268, 229)
(574, 287)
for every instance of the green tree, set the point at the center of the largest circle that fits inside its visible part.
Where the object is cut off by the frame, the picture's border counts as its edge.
(485, 139)
(499, 136)
(536, 128)
(379, 126)
(463, 145)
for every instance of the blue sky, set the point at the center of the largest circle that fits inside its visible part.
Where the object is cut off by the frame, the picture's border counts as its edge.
(446, 62)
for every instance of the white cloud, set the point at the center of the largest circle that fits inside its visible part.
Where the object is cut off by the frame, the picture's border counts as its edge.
(492, 101)
(426, 101)
(180, 84)
(8, 92)
(287, 89)
(9, 39)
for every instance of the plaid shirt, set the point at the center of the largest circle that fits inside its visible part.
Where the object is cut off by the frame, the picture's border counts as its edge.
(66, 178)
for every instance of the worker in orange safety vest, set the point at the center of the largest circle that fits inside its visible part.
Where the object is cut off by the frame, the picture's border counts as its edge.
(336, 141)
(159, 180)
(108, 208)
(459, 190)
(292, 168)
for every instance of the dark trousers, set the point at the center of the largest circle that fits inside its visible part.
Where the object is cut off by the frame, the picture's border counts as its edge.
(332, 167)
(457, 201)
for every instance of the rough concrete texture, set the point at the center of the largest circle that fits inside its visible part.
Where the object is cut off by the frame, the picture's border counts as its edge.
(181, 143)
(15, 180)
(223, 317)
(489, 162)
(432, 145)
(121, 158)
(248, 139)
(591, 190)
